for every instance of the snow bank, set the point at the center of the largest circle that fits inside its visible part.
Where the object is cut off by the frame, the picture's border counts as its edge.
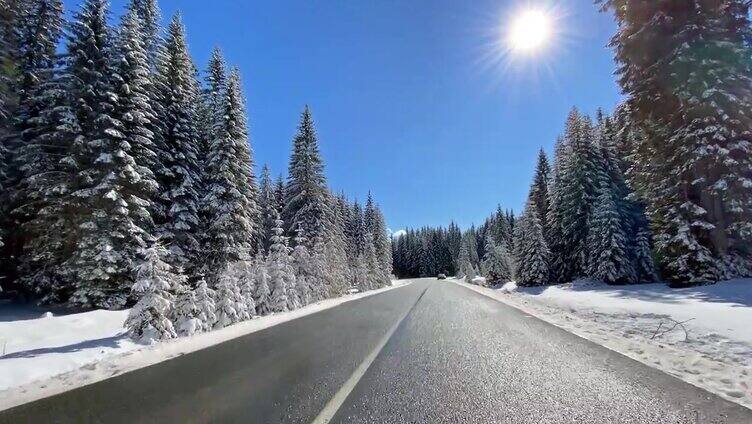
(51, 354)
(714, 353)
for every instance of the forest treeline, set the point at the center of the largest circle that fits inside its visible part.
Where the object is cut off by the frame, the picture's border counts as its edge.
(127, 177)
(660, 189)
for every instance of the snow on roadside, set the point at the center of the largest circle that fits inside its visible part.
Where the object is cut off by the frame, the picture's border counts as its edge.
(49, 355)
(714, 354)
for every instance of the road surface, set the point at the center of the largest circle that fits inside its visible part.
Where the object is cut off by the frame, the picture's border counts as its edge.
(430, 352)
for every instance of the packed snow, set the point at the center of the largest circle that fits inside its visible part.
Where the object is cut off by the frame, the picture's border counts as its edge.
(701, 335)
(44, 354)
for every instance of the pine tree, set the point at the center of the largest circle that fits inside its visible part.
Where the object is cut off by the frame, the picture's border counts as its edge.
(110, 189)
(685, 67)
(44, 125)
(577, 185)
(301, 265)
(281, 276)
(539, 189)
(532, 254)
(305, 193)
(228, 300)
(186, 313)
(206, 306)
(608, 243)
(149, 320)
(263, 293)
(496, 263)
(181, 179)
(149, 15)
(267, 208)
(230, 201)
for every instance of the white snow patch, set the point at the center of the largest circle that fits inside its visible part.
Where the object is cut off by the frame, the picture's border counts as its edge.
(480, 281)
(399, 233)
(714, 354)
(52, 354)
(509, 287)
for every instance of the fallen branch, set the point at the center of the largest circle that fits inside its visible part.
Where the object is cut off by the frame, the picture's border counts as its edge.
(658, 333)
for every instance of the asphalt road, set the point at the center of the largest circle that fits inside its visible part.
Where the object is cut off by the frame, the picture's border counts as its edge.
(430, 352)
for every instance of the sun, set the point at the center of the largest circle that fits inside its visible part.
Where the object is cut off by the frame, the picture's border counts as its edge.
(530, 30)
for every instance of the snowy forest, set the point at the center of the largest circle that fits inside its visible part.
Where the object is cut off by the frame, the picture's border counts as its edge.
(127, 178)
(661, 189)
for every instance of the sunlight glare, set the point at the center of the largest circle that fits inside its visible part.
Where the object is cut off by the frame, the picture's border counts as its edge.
(530, 31)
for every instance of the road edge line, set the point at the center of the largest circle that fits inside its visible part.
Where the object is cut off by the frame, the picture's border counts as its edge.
(335, 403)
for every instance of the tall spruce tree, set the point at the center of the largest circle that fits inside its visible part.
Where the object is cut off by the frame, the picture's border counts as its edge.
(531, 251)
(305, 193)
(539, 189)
(576, 188)
(267, 209)
(109, 190)
(44, 130)
(685, 67)
(180, 182)
(230, 201)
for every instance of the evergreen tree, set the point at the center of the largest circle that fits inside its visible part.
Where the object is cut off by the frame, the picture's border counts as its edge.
(685, 67)
(186, 313)
(608, 243)
(149, 15)
(263, 293)
(267, 208)
(305, 193)
(230, 305)
(301, 266)
(577, 183)
(44, 124)
(180, 182)
(230, 201)
(149, 320)
(206, 306)
(110, 190)
(281, 276)
(539, 189)
(532, 254)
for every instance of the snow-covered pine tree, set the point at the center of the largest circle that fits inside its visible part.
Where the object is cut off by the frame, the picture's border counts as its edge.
(301, 266)
(180, 183)
(356, 231)
(305, 193)
(231, 307)
(267, 209)
(531, 251)
(576, 186)
(608, 243)
(382, 243)
(376, 275)
(281, 276)
(186, 314)
(246, 276)
(496, 263)
(207, 308)
(464, 266)
(688, 78)
(149, 15)
(539, 189)
(230, 202)
(262, 297)
(111, 190)
(37, 196)
(329, 256)
(148, 321)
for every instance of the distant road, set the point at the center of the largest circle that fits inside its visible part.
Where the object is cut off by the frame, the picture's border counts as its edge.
(430, 352)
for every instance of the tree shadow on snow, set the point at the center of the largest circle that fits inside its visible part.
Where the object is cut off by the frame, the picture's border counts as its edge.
(738, 293)
(111, 342)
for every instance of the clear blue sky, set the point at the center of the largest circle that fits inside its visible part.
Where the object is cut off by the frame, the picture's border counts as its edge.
(411, 98)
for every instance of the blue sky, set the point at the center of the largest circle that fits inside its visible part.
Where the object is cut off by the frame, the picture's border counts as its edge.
(412, 99)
